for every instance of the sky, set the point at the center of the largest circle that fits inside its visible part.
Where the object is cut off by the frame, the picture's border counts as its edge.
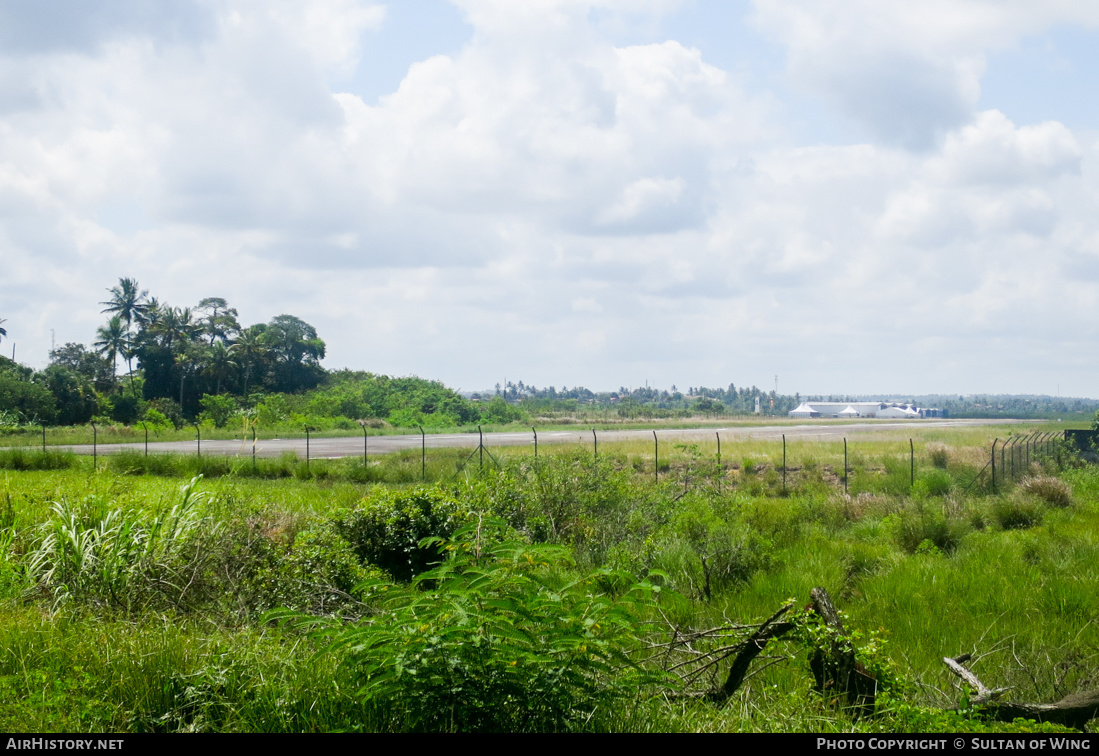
(855, 196)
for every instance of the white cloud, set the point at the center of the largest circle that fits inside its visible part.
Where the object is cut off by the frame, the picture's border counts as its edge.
(992, 150)
(909, 72)
(545, 204)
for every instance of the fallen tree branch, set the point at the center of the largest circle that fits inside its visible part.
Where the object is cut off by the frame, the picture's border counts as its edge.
(752, 648)
(833, 664)
(1074, 710)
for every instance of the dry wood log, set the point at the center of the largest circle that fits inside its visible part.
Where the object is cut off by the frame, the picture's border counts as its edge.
(753, 647)
(1074, 710)
(835, 669)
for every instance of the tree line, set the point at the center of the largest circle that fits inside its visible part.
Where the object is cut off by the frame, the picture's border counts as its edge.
(187, 364)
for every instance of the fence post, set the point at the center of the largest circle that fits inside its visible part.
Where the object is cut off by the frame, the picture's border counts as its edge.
(423, 453)
(95, 447)
(718, 436)
(364, 445)
(994, 464)
(656, 458)
(198, 440)
(43, 439)
(253, 448)
(307, 448)
(481, 447)
(596, 444)
(146, 427)
(911, 464)
(845, 465)
(783, 464)
(532, 430)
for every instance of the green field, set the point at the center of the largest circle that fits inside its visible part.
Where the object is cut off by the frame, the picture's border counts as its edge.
(551, 593)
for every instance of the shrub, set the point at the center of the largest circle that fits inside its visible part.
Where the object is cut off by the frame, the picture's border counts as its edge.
(389, 528)
(939, 454)
(921, 529)
(125, 409)
(1052, 491)
(1018, 511)
(934, 483)
(217, 409)
(317, 574)
(501, 643)
(705, 552)
(167, 412)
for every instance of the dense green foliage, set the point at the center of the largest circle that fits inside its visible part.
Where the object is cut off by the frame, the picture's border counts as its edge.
(522, 597)
(498, 637)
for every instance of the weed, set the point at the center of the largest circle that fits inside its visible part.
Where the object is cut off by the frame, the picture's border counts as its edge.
(1018, 511)
(939, 455)
(1053, 491)
(917, 530)
(499, 644)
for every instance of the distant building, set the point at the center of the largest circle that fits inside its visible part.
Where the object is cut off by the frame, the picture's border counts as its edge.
(885, 410)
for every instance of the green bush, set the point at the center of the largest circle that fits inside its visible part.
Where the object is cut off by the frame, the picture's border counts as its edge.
(217, 410)
(125, 409)
(704, 550)
(1018, 511)
(501, 642)
(934, 483)
(917, 531)
(389, 528)
(939, 454)
(317, 574)
(566, 499)
(164, 412)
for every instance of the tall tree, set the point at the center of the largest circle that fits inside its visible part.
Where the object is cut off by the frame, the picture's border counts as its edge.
(127, 301)
(297, 352)
(250, 349)
(113, 341)
(219, 361)
(218, 319)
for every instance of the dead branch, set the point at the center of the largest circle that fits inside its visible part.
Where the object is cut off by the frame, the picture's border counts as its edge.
(696, 656)
(752, 648)
(1074, 710)
(834, 666)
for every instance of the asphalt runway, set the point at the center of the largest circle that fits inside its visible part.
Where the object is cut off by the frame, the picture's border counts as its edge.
(351, 446)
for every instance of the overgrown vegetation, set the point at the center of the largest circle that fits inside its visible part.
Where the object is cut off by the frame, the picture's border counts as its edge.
(540, 594)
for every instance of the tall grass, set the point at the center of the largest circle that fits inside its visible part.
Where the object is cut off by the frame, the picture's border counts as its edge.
(150, 584)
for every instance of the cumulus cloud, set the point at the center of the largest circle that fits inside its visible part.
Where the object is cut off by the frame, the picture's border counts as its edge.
(545, 203)
(909, 72)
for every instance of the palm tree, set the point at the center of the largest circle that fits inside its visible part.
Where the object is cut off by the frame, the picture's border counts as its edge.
(219, 360)
(127, 302)
(251, 346)
(3, 331)
(113, 340)
(175, 328)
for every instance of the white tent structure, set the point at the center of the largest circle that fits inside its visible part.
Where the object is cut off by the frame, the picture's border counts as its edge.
(850, 410)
